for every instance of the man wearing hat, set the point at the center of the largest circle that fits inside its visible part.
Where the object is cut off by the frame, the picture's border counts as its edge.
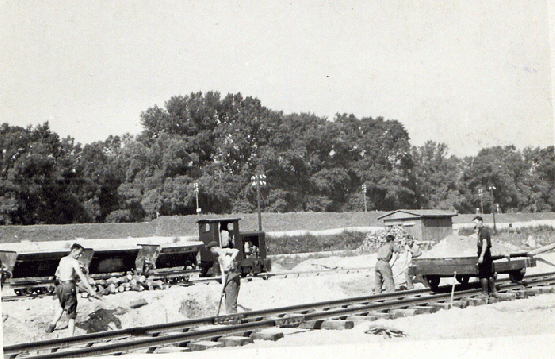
(231, 279)
(485, 262)
(384, 274)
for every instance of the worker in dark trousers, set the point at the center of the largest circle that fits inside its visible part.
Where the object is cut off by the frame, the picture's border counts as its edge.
(384, 274)
(231, 278)
(485, 262)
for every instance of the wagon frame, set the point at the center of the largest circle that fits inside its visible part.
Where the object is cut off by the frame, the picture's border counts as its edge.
(430, 270)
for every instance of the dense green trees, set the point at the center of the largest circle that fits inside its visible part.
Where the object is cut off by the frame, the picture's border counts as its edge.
(310, 163)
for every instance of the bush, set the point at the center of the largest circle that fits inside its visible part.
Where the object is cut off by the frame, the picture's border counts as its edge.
(310, 243)
(119, 216)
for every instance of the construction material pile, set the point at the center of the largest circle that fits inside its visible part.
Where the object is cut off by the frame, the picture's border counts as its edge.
(455, 246)
(128, 282)
(374, 240)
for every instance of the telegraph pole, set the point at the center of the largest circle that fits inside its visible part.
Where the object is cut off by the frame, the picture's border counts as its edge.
(257, 181)
(364, 189)
(491, 188)
(481, 194)
(196, 196)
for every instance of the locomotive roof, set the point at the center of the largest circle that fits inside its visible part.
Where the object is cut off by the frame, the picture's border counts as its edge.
(214, 220)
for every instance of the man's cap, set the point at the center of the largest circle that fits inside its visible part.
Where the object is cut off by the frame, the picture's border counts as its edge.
(478, 218)
(212, 244)
(390, 237)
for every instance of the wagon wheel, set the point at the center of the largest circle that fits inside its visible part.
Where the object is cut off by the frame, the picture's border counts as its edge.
(463, 279)
(517, 275)
(432, 281)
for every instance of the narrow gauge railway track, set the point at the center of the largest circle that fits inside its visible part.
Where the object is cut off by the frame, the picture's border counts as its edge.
(184, 334)
(40, 287)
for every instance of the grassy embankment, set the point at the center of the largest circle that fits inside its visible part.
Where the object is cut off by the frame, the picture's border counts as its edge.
(272, 222)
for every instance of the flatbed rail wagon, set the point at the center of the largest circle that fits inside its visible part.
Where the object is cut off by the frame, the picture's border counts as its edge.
(431, 270)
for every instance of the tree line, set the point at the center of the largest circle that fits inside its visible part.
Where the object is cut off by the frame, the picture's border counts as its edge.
(210, 146)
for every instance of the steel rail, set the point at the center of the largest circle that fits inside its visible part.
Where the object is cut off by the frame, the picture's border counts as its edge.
(187, 337)
(156, 329)
(347, 306)
(46, 282)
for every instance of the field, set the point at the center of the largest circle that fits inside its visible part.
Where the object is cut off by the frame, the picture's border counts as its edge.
(187, 226)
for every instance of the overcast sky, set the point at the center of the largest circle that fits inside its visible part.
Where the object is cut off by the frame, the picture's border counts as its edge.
(468, 73)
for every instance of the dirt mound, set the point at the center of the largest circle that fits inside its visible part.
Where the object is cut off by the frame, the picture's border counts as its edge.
(465, 246)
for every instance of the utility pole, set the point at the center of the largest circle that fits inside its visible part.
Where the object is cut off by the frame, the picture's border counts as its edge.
(481, 194)
(364, 189)
(491, 188)
(196, 196)
(258, 180)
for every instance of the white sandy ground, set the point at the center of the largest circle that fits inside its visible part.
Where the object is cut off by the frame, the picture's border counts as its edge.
(519, 329)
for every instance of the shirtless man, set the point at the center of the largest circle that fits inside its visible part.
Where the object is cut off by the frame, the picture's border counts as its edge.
(231, 279)
(66, 291)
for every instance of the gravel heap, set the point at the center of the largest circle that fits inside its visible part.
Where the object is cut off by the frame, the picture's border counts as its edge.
(454, 246)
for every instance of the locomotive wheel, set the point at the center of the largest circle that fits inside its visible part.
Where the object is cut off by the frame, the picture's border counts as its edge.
(517, 275)
(463, 279)
(432, 281)
(246, 271)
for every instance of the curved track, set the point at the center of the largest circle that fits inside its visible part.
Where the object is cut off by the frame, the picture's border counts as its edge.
(39, 287)
(185, 334)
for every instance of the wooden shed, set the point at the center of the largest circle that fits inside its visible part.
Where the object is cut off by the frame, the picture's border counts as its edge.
(422, 224)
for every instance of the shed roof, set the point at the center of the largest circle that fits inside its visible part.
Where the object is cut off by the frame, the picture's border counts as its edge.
(417, 213)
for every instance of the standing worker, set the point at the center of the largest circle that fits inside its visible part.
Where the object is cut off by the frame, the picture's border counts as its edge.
(231, 279)
(383, 268)
(485, 262)
(411, 251)
(67, 273)
(225, 237)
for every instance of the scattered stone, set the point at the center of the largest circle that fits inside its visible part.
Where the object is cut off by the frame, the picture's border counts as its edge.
(385, 332)
(235, 341)
(138, 303)
(268, 334)
(204, 344)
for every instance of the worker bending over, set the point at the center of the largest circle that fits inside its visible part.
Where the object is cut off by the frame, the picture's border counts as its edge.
(67, 273)
(231, 278)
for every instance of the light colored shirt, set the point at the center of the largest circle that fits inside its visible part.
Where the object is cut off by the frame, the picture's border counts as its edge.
(68, 269)
(224, 238)
(226, 259)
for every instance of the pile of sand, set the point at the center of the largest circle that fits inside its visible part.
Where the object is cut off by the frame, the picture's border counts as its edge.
(454, 246)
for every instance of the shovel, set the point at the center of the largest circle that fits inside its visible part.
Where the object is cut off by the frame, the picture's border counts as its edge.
(222, 296)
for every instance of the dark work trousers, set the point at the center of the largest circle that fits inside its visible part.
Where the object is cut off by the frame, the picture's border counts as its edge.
(67, 295)
(233, 284)
(384, 274)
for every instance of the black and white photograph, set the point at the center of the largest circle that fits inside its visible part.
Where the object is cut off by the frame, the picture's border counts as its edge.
(277, 179)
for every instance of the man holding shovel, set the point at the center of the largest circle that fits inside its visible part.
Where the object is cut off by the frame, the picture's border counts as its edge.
(67, 273)
(231, 278)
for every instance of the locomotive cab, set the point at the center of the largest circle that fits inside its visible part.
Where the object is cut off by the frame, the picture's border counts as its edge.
(252, 252)
(252, 257)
